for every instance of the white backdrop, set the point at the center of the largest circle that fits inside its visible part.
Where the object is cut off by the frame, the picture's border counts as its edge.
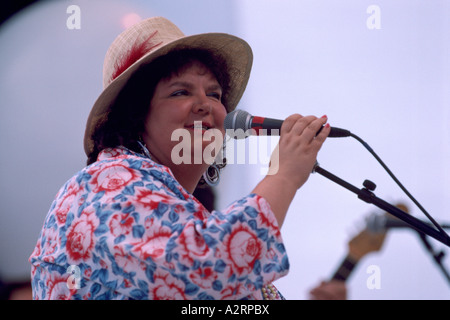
(383, 74)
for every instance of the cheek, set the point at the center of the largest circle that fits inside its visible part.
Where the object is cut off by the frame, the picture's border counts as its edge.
(159, 118)
(150, 124)
(220, 116)
(156, 127)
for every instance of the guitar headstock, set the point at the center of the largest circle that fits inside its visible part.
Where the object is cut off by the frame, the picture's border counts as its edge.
(368, 241)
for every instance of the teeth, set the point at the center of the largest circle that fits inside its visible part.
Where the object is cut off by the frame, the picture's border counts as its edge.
(199, 126)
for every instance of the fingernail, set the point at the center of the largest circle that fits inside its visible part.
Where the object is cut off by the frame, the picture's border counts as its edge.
(327, 125)
(324, 116)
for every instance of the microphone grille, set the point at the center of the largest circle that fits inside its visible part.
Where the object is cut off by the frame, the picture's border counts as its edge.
(237, 119)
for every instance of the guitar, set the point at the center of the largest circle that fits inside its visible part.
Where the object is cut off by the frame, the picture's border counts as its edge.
(365, 242)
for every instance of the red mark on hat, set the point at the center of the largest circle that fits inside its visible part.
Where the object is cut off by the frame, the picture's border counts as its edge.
(136, 52)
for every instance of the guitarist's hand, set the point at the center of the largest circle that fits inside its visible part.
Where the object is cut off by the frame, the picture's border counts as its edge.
(329, 290)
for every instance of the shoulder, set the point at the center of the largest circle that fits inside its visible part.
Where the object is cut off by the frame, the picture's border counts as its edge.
(123, 170)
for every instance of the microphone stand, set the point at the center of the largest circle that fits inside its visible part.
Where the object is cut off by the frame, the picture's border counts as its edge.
(437, 256)
(368, 196)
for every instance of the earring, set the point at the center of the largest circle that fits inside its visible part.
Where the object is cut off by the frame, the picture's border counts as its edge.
(144, 148)
(212, 175)
(221, 160)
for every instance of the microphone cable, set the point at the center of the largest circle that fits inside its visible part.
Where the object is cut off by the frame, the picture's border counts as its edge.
(441, 230)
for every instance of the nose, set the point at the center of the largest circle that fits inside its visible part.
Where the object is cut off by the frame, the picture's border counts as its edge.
(202, 105)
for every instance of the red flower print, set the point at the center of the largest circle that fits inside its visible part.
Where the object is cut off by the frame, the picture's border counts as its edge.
(112, 177)
(88, 272)
(103, 264)
(36, 251)
(243, 248)
(58, 288)
(155, 241)
(233, 292)
(49, 259)
(127, 283)
(123, 259)
(80, 236)
(64, 203)
(51, 243)
(150, 200)
(192, 246)
(146, 164)
(179, 208)
(167, 287)
(267, 219)
(121, 224)
(201, 215)
(110, 153)
(204, 277)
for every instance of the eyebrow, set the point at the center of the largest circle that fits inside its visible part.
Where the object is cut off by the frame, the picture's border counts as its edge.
(189, 85)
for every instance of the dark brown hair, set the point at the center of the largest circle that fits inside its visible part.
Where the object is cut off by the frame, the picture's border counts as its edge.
(126, 120)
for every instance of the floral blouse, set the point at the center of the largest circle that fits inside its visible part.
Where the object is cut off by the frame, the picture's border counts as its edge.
(124, 228)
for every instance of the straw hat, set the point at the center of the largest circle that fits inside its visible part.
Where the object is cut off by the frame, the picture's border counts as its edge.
(154, 37)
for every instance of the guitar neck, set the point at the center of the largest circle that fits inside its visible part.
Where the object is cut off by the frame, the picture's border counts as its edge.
(365, 242)
(345, 269)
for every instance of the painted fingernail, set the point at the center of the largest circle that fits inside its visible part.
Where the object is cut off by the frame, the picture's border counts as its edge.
(324, 116)
(327, 125)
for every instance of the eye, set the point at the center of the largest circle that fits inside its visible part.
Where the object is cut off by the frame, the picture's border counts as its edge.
(179, 93)
(215, 95)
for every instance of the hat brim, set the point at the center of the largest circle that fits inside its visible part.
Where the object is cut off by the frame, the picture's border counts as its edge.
(236, 52)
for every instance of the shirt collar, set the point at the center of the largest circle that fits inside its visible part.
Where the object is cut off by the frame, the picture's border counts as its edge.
(121, 151)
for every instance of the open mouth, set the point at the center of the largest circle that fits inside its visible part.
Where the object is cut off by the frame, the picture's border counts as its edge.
(198, 125)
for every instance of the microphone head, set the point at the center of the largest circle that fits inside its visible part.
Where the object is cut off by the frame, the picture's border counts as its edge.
(237, 122)
(237, 119)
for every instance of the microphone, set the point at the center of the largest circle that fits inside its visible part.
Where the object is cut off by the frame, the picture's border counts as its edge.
(379, 223)
(240, 119)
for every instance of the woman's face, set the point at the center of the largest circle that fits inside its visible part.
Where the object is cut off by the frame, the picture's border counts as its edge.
(192, 95)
